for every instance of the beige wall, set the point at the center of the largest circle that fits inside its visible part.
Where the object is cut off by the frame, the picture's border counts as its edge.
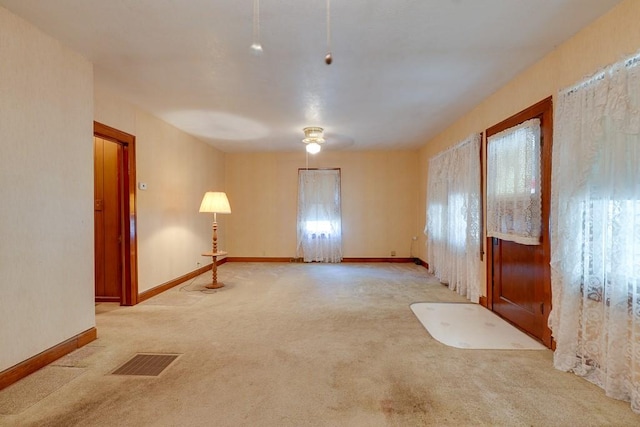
(46, 176)
(46, 190)
(178, 169)
(609, 39)
(378, 201)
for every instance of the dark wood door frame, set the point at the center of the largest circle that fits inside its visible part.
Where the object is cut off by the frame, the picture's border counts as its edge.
(129, 241)
(544, 111)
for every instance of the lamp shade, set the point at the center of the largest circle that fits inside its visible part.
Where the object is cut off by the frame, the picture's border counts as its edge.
(216, 202)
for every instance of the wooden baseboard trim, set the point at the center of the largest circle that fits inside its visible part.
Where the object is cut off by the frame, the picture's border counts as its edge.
(175, 282)
(284, 259)
(423, 263)
(258, 259)
(483, 301)
(29, 366)
(393, 259)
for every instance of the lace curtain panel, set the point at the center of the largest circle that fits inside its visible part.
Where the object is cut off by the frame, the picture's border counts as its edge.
(453, 218)
(595, 238)
(514, 206)
(319, 216)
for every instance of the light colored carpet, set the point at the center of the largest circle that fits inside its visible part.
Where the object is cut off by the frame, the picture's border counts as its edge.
(79, 358)
(19, 396)
(471, 326)
(286, 344)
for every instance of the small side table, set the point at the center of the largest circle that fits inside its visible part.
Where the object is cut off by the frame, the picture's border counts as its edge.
(214, 269)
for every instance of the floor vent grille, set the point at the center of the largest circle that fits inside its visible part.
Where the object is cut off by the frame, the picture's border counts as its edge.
(146, 364)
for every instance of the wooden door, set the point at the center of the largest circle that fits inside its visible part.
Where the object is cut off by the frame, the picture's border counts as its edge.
(518, 285)
(108, 214)
(519, 276)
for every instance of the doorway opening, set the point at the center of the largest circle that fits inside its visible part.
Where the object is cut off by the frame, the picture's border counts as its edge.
(116, 263)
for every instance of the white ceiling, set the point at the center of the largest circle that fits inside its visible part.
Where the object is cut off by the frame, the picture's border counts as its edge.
(402, 70)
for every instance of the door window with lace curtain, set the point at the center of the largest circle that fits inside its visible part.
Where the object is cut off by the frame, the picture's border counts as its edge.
(514, 203)
(319, 215)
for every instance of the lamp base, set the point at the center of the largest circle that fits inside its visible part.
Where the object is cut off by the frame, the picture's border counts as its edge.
(215, 285)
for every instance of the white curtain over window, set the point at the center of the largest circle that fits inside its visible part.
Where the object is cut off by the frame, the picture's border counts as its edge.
(595, 238)
(319, 216)
(453, 218)
(514, 207)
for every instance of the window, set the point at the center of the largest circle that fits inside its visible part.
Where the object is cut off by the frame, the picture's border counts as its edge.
(596, 231)
(318, 228)
(453, 217)
(612, 254)
(514, 203)
(319, 215)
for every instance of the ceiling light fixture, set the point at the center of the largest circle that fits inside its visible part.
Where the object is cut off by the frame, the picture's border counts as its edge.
(312, 139)
(313, 148)
(256, 47)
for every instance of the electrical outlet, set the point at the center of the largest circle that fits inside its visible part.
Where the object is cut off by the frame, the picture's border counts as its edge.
(393, 253)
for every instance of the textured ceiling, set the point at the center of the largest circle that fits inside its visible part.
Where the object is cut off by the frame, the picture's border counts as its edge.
(402, 70)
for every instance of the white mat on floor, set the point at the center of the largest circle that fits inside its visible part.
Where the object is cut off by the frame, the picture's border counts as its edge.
(471, 326)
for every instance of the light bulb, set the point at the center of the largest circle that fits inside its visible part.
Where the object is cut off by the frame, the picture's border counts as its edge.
(256, 48)
(313, 148)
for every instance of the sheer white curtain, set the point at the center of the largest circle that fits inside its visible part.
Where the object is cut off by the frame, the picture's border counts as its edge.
(595, 237)
(514, 205)
(453, 218)
(319, 216)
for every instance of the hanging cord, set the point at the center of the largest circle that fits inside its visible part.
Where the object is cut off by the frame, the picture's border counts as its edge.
(256, 20)
(256, 46)
(328, 58)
